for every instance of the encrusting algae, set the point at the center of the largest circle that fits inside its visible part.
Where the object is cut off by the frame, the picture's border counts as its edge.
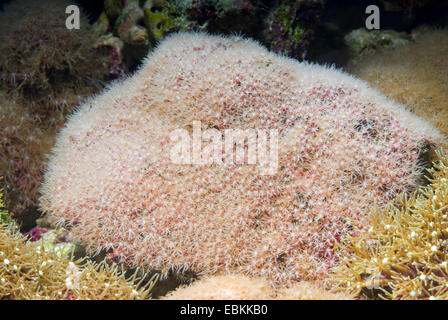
(29, 271)
(404, 254)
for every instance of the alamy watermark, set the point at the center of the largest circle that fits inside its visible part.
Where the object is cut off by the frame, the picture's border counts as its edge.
(373, 20)
(73, 20)
(233, 146)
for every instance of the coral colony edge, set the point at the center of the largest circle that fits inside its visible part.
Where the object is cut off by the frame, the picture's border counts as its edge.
(342, 148)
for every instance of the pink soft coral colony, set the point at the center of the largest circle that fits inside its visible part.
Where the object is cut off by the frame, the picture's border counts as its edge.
(342, 148)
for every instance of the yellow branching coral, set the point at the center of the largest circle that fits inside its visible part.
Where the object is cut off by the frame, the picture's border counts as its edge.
(28, 271)
(404, 255)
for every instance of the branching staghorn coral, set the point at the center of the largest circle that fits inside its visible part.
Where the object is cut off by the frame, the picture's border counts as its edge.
(404, 254)
(43, 63)
(415, 74)
(29, 271)
(341, 147)
(238, 287)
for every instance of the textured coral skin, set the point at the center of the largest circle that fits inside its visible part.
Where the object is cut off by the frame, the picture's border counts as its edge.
(238, 287)
(342, 146)
(415, 74)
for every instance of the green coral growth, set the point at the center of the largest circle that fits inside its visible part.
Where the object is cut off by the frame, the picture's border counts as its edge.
(363, 42)
(158, 16)
(404, 254)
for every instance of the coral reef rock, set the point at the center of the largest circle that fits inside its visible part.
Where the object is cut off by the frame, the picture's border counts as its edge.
(113, 175)
(285, 26)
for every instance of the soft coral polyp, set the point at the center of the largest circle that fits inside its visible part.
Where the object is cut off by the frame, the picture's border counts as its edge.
(342, 147)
